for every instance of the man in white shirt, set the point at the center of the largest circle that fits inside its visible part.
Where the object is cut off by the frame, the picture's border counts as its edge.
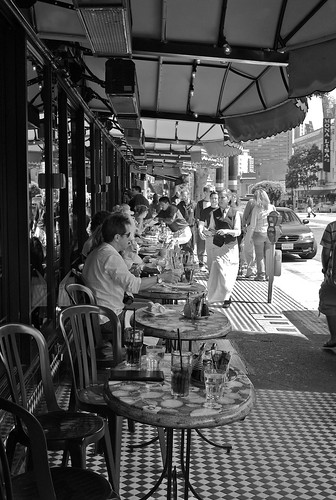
(106, 273)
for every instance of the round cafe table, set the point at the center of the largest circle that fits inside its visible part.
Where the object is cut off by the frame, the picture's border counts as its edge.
(166, 325)
(151, 403)
(166, 292)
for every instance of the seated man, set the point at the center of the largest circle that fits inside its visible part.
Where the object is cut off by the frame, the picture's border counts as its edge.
(171, 215)
(105, 271)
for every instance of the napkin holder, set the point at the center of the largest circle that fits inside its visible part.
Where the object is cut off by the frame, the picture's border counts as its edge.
(136, 375)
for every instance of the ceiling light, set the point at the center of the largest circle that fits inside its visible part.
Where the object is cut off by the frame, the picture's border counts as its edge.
(227, 49)
(226, 46)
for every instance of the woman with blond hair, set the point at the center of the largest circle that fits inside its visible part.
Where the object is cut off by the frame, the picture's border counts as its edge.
(258, 230)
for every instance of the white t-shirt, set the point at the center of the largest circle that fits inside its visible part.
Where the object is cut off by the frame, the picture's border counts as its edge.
(106, 274)
(259, 222)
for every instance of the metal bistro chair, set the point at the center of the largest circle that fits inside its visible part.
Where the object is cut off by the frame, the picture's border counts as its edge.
(70, 431)
(81, 332)
(80, 294)
(44, 482)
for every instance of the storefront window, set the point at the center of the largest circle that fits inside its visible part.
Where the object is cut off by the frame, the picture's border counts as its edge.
(36, 209)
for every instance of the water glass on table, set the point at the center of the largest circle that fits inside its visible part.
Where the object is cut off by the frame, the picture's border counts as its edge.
(133, 342)
(154, 354)
(214, 386)
(181, 367)
(189, 273)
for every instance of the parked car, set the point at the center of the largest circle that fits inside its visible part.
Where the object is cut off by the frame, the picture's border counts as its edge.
(296, 237)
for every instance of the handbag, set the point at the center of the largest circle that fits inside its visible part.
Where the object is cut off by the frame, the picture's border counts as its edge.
(218, 240)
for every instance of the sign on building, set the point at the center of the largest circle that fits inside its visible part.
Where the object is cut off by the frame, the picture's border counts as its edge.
(326, 144)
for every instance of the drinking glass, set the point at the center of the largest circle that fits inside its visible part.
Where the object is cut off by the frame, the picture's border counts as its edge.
(154, 354)
(189, 273)
(214, 382)
(181, 366)
(133, 341)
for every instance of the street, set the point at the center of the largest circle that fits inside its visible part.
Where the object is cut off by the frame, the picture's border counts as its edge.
(302, 278)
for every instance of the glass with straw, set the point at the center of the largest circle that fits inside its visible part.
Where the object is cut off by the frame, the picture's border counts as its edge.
(133, 342)
(181, 367)
(215, 377)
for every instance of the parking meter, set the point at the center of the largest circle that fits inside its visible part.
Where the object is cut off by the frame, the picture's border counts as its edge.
(273, 231)
(273, 261)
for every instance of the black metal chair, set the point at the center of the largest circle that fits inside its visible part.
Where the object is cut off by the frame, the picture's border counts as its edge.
(71, 431)
(43, 482)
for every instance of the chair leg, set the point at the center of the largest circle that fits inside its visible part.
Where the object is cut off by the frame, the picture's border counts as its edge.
(162, 441)
(78, 455)
(65, 458)
(10, 447)
(115, 430)
(131, 425)
(109, 460)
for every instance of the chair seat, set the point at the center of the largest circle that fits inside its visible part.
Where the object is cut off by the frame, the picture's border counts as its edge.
(69, 484)
(63, 425)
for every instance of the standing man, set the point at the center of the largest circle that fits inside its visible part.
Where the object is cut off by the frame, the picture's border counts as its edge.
(203, 232)
(137, 198)
(187, 209)
(327, 292)
(225, 227)
(200, 239)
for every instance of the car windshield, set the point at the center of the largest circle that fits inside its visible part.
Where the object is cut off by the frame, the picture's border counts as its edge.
(289, 217)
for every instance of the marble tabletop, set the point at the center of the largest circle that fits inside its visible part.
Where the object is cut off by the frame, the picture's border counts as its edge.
(165, 325)
(151, 402)
(170, 291)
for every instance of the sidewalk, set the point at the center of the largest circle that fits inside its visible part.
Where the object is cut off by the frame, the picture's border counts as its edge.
(285, 448)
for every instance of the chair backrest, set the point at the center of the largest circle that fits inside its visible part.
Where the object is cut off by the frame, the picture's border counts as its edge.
(11, 336)
(80, 294)
(39, 452)
(81, 331)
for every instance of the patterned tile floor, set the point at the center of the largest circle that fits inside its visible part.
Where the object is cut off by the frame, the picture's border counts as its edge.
(285, 449)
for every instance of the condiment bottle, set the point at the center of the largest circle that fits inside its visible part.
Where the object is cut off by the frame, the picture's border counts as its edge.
(205, 308)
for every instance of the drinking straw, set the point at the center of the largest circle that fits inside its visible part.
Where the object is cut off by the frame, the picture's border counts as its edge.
(133, 336)
(180, 347)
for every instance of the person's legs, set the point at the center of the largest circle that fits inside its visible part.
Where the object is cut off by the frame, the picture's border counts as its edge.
(259, 246)
(209, 248)
(200, 249)
(332, 329)
(249, 254)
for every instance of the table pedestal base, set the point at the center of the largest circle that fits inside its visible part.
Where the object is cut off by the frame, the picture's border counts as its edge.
(169, 471)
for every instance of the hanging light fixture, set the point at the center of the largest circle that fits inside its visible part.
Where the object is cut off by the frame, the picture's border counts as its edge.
(226, 47)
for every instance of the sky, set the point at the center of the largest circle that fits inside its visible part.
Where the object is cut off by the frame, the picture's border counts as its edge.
(315, 111)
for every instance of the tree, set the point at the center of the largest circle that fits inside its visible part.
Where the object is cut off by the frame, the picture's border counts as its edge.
(273, 189)
(302, 168)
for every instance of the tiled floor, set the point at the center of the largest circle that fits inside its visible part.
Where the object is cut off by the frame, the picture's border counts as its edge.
(285, 449)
